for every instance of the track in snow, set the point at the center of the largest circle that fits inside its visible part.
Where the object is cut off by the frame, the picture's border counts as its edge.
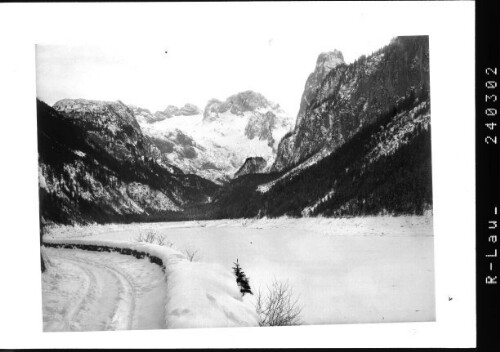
(88, 291)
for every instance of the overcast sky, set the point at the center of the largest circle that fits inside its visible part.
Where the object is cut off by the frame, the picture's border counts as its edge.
(267, 53)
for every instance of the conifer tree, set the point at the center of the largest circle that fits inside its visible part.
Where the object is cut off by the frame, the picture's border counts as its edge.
(241, 279)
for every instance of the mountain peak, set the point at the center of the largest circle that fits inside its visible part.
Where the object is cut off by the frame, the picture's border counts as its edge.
(238, 104)
(89, 109)
(248, 101)
(189, 109)
(337, 103)
(329, 60)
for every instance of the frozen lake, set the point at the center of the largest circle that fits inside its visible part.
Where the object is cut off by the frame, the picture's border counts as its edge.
(358, 270)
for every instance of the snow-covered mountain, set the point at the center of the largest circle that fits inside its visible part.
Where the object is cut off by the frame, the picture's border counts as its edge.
(95, 164)
(144, 116)
(215, 144)
(361, 144)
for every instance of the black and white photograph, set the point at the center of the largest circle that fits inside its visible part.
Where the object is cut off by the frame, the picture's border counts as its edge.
(323, 215)
(230, 176)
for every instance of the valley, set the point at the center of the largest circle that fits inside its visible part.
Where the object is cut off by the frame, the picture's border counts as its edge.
(362, 136)
(334, 204)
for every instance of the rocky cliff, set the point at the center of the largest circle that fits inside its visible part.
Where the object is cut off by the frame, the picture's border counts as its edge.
(252, 165)
(340, 99)
(361, 145)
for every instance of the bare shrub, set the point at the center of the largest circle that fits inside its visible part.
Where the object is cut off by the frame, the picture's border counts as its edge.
(153, 237)
(191, 254)
(161, 240)
(279, 306)
(148, 237)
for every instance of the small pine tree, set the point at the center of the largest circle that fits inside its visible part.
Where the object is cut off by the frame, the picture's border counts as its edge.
(241, 279)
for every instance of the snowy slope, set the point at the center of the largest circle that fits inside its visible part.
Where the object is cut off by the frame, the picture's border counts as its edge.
(215, 148)
(196, 294)
(343, 270)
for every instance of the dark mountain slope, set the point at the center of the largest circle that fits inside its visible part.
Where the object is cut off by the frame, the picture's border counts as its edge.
(361, 146)
(384, 168)
(96, 166)
(351, 96)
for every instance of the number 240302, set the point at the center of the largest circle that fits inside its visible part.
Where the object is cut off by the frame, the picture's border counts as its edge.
(491, 98)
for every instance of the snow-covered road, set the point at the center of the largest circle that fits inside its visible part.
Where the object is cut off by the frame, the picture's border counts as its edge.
(86, 291)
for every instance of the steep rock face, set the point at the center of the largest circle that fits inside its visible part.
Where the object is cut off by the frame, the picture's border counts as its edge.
(171, 110)
(211, 112)
(324, 64)
(252, 165)
(265, 120)
(261, 126)
(215, 145)
(111, 126)
(141, 114)
(238, 104)
(189, 110)
(159, 116)
(95, 165)
(349, 97)
(145, 116)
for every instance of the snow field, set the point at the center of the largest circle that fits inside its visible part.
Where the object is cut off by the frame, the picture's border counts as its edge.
(222, 142)
(345, 270)
(197, 294)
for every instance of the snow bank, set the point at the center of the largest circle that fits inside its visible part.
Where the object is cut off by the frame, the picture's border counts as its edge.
(205, 295)
(343, 270)
(198, 294)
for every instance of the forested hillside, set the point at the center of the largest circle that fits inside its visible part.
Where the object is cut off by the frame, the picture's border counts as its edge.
(361, 145)
(96, 166)
(385, 168)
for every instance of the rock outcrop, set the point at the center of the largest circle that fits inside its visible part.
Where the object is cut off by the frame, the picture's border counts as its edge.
(253, 165)
(189, 110)
(324, 64)
(238, 104)
(340, 99)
